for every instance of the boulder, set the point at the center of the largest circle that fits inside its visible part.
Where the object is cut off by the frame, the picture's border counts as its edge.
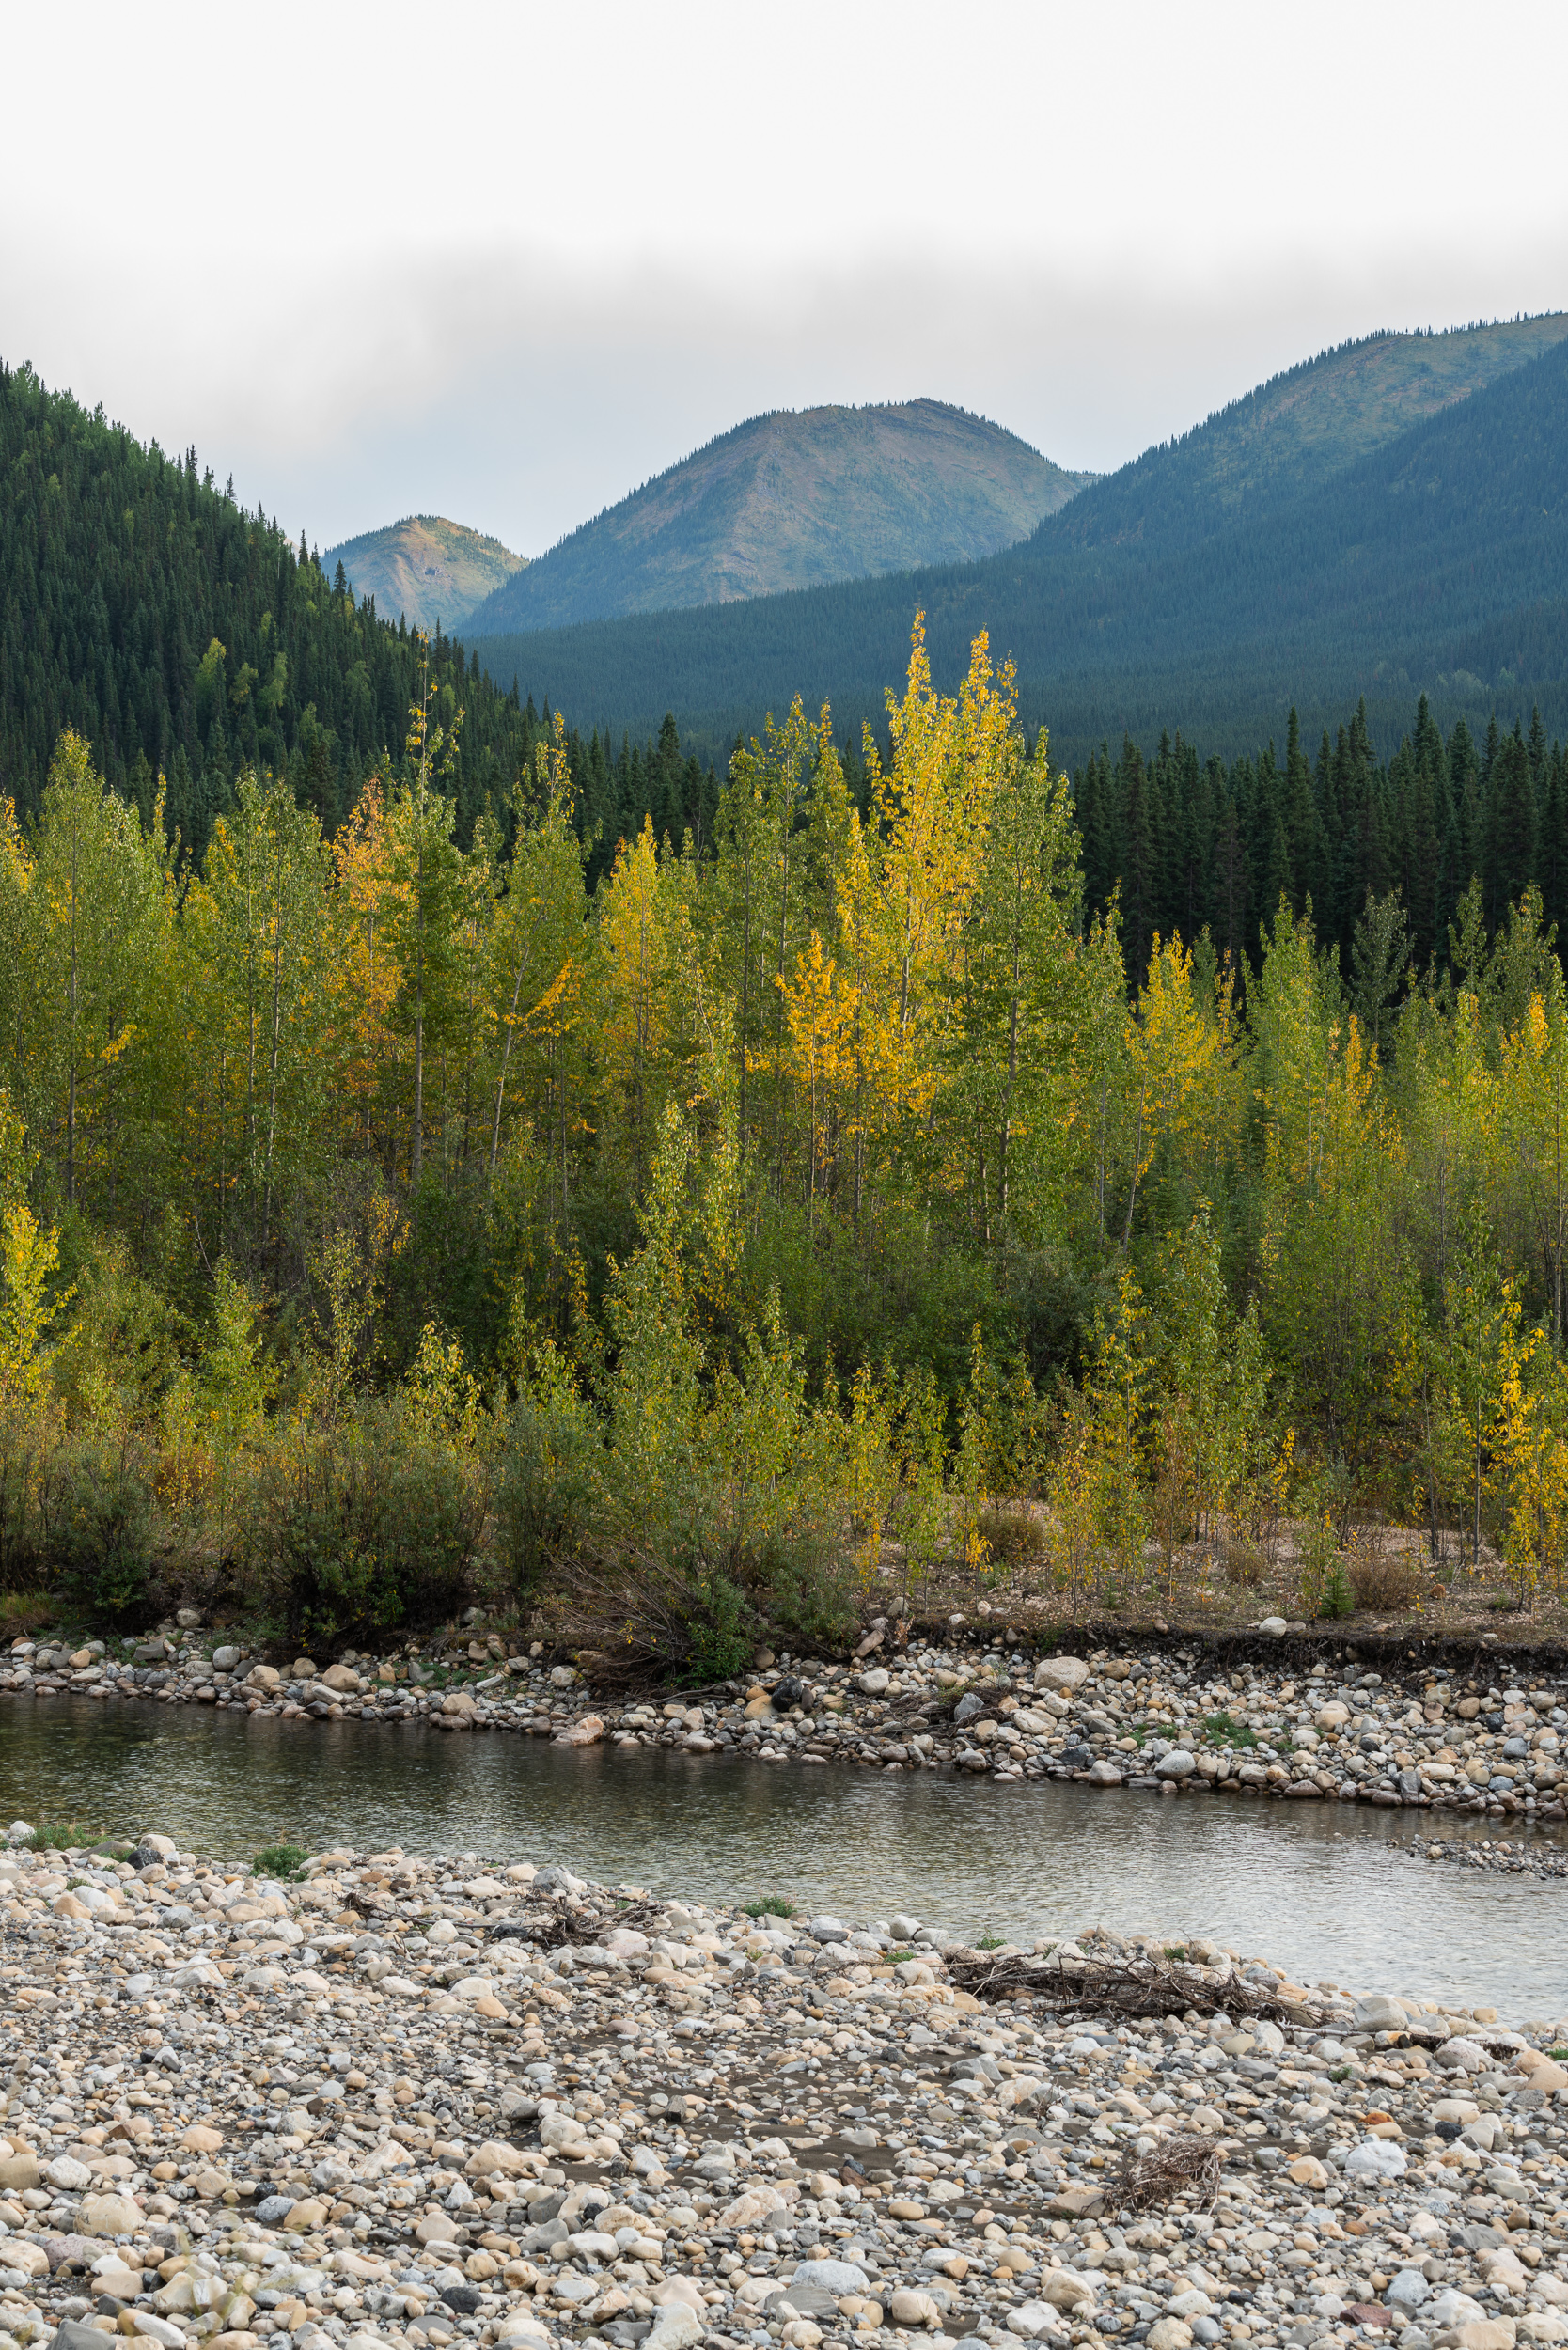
(828, 2276)
(108, 2214)
(67, 2172)
(1061, 1673)
(1460, 2054)
(675, 2327)
(913, 2309)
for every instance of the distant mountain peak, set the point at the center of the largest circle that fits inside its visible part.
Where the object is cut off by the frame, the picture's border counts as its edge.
(425, 569)
(794, 498)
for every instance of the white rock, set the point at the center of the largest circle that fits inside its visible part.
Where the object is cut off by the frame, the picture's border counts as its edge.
(1034, 2319)
(1460, 2054)
(1064, 1673)
(1453, 2308)
(64, 2170)
(830, 2276)
(1408, 2290)
(1176, 1765)
(675, 2327)
(1375, 2158)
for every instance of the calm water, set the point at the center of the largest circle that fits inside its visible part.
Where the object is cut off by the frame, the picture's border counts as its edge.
(1316, 1886)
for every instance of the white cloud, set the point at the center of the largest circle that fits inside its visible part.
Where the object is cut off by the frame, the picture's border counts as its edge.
(505, 264)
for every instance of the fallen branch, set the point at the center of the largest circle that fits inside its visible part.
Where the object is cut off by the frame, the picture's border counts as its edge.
(561, 1920)
(1137, 1987)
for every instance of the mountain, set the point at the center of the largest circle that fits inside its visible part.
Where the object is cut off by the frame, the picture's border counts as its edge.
(425, 569)
(1382, 518)
(139, 605)
(792, 500)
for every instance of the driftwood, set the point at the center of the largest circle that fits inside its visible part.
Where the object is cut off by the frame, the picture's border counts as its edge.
(1132, 1986)
(1178, 2166)
(561, 1920)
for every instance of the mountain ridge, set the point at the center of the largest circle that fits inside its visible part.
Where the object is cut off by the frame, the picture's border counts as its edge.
(1203, 556)
(790, 498)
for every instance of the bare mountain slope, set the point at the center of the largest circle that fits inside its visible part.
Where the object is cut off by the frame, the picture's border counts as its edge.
(425, 567)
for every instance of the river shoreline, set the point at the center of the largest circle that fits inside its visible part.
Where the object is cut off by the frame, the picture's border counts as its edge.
(1170, 1722)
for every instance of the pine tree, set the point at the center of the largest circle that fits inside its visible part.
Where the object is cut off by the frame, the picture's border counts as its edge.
(1511, 827)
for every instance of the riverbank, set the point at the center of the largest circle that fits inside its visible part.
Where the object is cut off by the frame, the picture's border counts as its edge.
(1321, 1726)
(398, 2102)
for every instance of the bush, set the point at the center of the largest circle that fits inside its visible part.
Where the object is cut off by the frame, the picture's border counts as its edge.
(280, 1860)
(98, 1546)
(806, 1587)
(720, 1629)
(549, 1486)
(1014, 1538)
(1385, 1581)
(1338, 1596)
(364, 1527)
(1245, 1564)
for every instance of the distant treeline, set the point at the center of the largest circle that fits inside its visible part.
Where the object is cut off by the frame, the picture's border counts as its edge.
(1193, 843)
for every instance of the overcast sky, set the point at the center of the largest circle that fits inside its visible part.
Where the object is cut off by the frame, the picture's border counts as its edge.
(504, 263)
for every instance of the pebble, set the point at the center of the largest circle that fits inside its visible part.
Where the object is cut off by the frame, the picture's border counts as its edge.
(479, 2101)
(1169, 1719)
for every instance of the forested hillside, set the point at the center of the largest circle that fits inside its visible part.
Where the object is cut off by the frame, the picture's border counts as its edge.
(789, 499)
(425, 570)
(1332, 551)
(179, 635)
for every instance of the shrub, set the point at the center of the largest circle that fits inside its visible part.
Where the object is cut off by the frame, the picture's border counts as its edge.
(549, 1486)
(1385, 1580)
(1014, 1538)
(1337, 1596)
(1245, 1564)
(806, 1587)
(771, 1905)
(719, 1629)
(280, 1860)
(99, 1545)
(359, 1529)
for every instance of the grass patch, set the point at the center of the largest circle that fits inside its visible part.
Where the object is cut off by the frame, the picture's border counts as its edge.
(70, 1835)
(771, 1905)
(989, 1942)
(1176, 1949)
(1225, 1731)
(280, 1860)
(25, 1611)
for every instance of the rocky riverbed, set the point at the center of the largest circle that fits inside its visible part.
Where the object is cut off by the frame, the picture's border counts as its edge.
(404, 2102)
(1169, 1719)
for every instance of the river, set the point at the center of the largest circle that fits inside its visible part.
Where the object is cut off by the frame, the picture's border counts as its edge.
(1321, 1889)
